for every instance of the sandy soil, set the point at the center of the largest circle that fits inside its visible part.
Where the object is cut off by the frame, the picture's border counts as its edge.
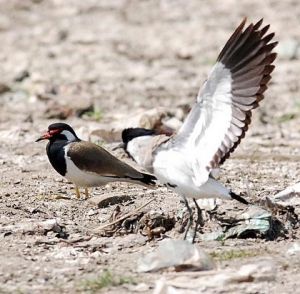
(60, 58)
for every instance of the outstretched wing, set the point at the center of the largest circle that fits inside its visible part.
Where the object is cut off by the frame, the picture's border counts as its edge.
(221, 116)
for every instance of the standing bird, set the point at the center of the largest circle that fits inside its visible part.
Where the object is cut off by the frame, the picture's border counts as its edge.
(87, 164)
(216, 123)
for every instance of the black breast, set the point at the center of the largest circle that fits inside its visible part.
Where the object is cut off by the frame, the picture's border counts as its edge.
(56, 155)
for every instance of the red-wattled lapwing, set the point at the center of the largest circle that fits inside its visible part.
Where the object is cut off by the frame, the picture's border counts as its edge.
(87, 164)
(216, 123)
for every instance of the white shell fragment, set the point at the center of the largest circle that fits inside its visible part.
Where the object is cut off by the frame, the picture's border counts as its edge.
(176, 253)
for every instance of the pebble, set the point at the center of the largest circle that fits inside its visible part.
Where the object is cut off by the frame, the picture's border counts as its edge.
(108, 199)
(176, 253)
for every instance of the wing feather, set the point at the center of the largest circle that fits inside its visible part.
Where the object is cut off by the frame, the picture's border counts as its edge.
(92, 158)
(221, 116)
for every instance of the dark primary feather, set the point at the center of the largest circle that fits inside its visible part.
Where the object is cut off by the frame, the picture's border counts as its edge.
(248, 55)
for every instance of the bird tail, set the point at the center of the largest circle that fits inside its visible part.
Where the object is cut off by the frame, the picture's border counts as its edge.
(238, 198)
(149, 180)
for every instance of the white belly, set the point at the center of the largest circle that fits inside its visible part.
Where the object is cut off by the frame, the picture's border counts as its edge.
(172, 168)
(82, 178)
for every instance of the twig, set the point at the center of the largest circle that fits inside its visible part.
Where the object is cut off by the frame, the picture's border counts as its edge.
(40, 242)
(81, 239)
(101, 228)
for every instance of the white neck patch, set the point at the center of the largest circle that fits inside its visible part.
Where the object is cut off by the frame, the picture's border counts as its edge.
(138, 148)
(69, 135)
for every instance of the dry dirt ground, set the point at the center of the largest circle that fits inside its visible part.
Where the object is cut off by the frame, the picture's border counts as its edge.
(93, 61)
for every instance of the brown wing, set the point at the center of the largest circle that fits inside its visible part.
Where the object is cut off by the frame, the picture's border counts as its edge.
(92, 158)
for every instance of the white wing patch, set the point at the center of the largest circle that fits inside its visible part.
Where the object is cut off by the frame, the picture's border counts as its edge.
(206, 125)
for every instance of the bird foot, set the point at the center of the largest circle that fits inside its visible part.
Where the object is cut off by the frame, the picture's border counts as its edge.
(86, 193)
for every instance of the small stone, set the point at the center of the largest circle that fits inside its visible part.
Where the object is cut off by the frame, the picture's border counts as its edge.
(150, 119)
(289, 49)
(103, 201)
(4, 88)
(22, 76)
(184, 54)
(173, 123)
(58, 112)
(176, 253)
(289, 196)
(141, 287)
(294, 249)
(91, 212)
(209, 204)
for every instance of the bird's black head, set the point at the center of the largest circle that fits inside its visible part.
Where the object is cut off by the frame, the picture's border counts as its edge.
(59, 131)
(131, 133)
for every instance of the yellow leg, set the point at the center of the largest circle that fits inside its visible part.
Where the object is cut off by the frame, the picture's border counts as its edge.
(77, 192)
(86, 193)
